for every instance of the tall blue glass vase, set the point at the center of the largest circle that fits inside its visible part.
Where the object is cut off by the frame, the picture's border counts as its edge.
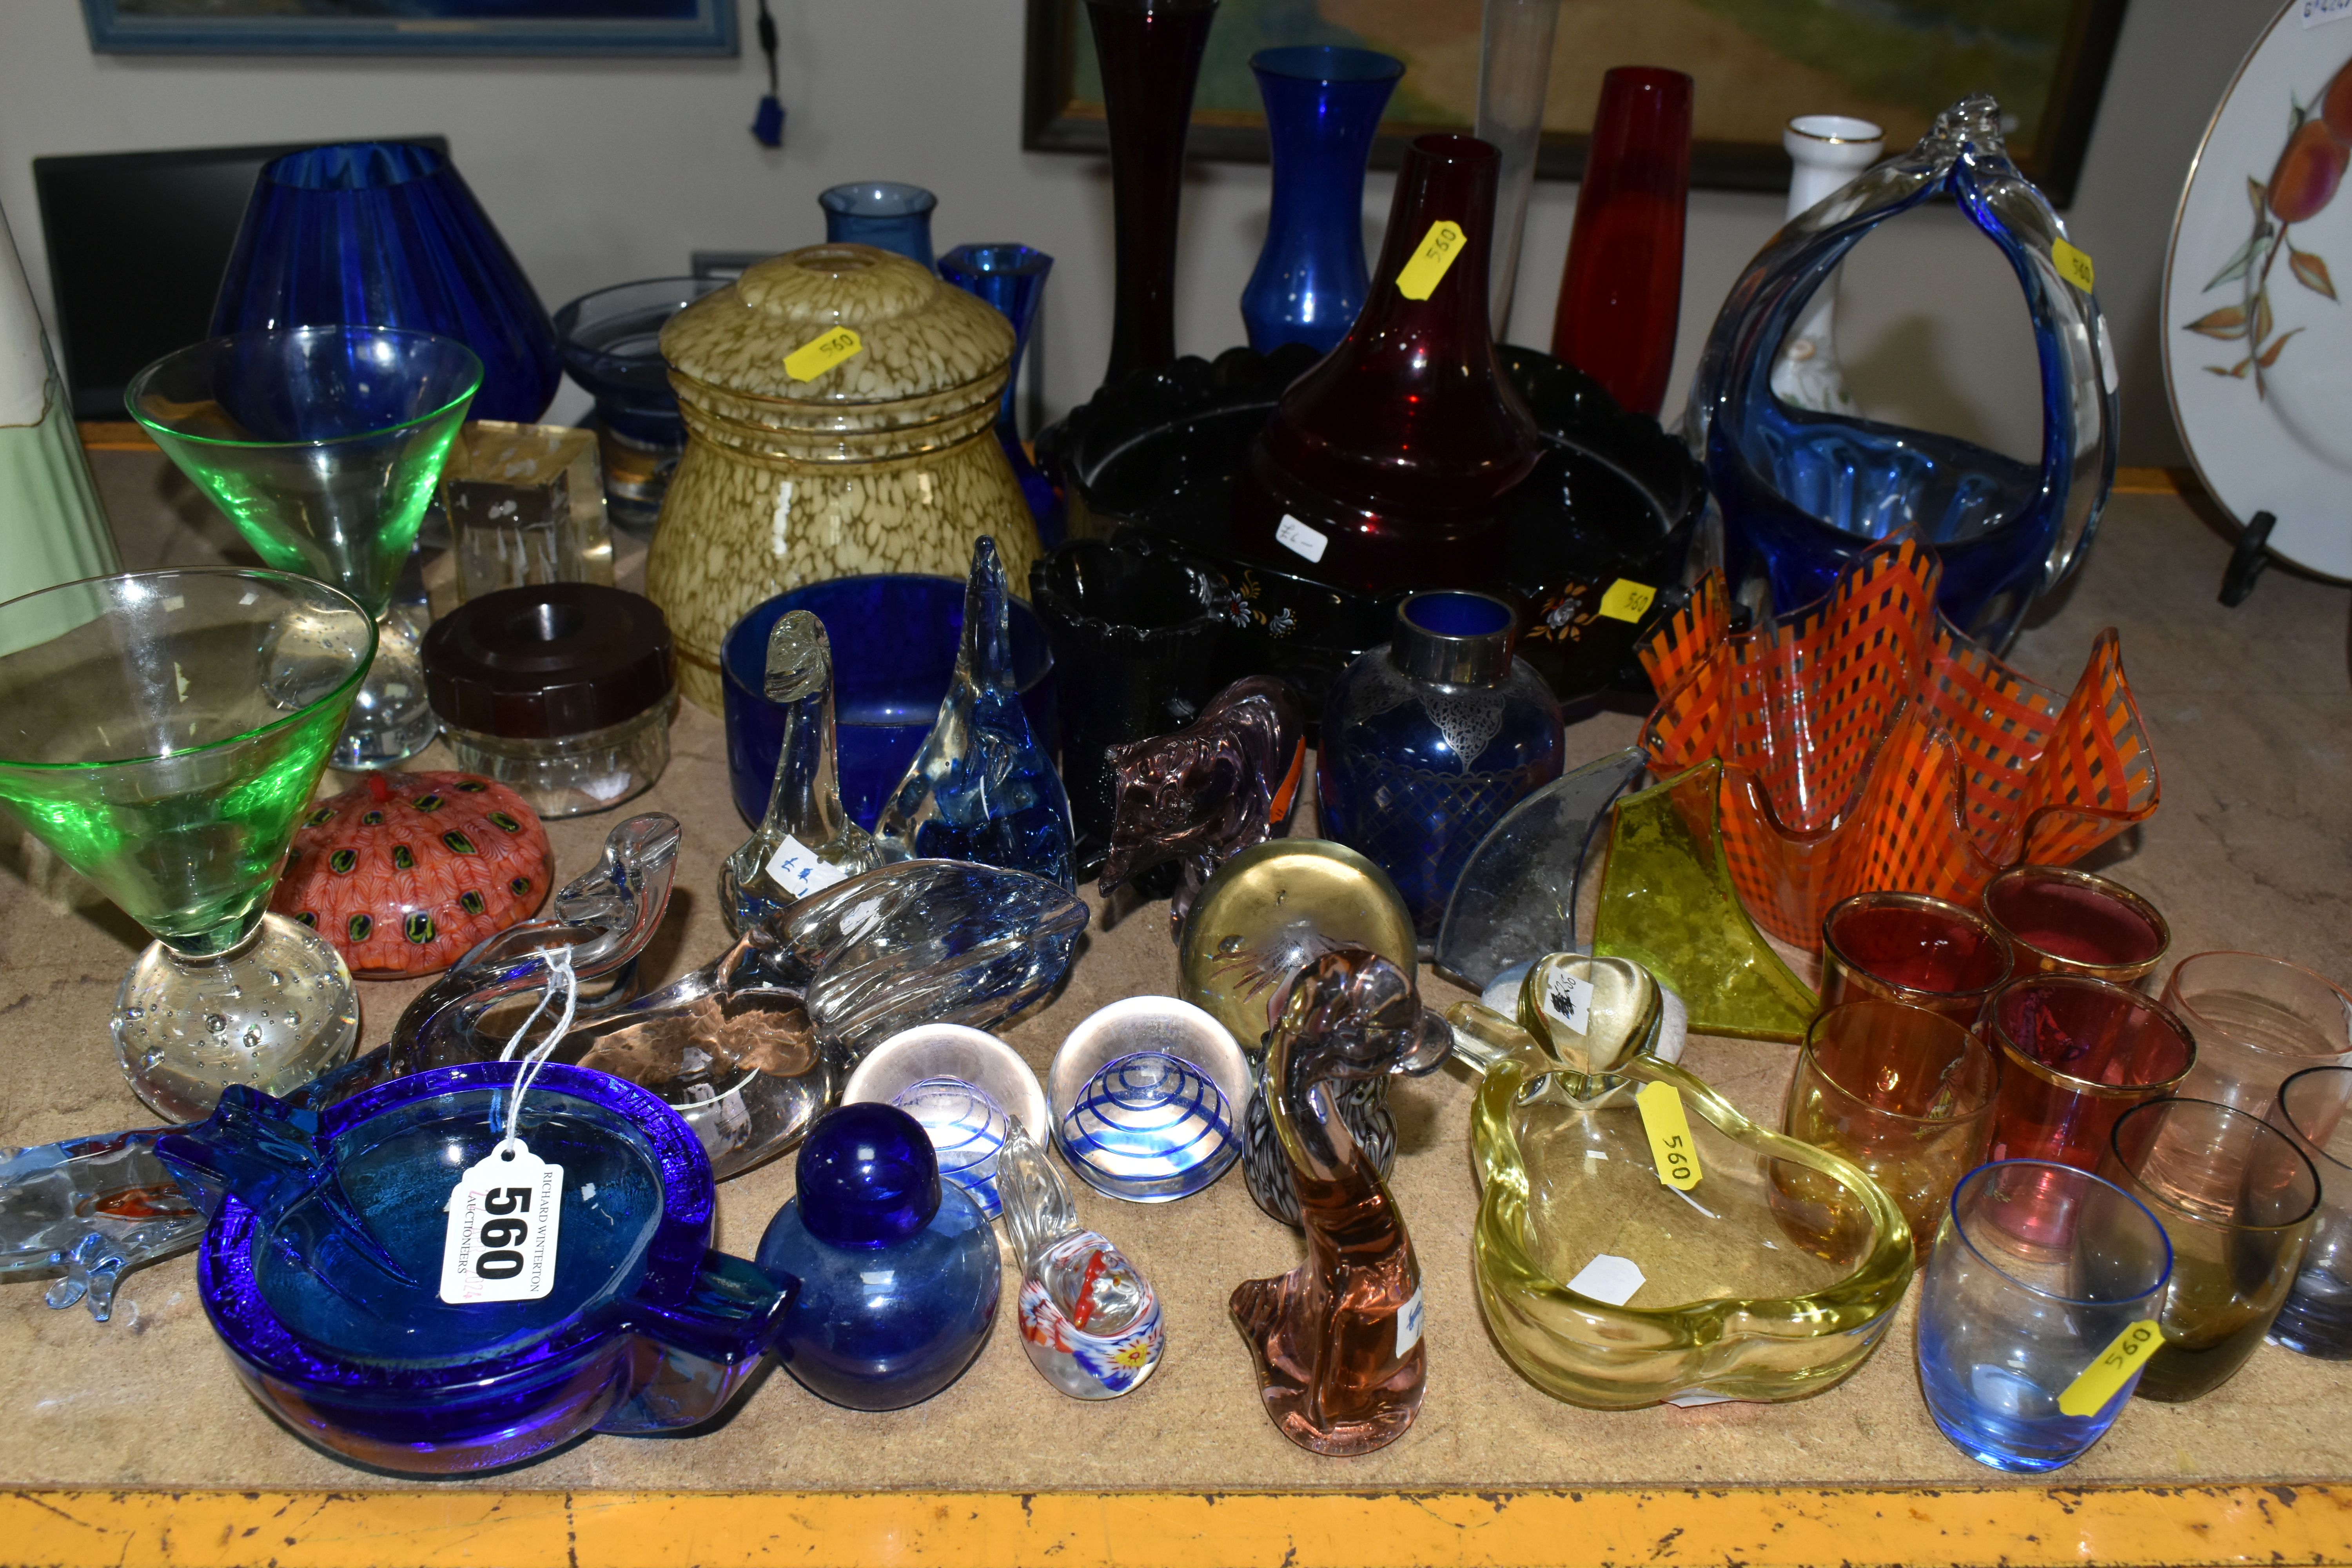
(1322, 106)
(1012, 278)
(884, 214)
(386, 233)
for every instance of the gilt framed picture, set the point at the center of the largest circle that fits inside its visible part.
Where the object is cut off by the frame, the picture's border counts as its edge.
(1756, 63)
(611, 27)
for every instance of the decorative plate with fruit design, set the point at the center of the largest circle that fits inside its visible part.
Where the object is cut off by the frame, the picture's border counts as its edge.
(406, 872)
(2257, 340)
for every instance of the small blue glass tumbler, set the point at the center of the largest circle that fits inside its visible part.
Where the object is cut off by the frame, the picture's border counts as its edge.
(1012, 278)
(1323, 105)
(884, 214)
(2041, 1273)
(897, 1271)
(2317, 1318)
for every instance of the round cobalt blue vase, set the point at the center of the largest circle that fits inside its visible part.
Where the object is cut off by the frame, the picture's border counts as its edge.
(1323, 105)
(895, 1271)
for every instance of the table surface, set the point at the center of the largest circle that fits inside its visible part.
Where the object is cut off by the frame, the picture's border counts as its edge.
(2248, 709)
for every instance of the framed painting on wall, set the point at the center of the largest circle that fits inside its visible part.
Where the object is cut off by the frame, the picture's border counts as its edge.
(1758, 64)
(412, 27)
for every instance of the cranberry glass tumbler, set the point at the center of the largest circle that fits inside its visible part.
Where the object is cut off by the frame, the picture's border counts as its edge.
(2076, 1053)
(1913, 949)
(1622, 288)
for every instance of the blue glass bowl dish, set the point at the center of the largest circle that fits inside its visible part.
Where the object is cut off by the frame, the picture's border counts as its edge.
(894, 638)
(386, 233)
(611, 346)
(894, 1273)
(320, 1271)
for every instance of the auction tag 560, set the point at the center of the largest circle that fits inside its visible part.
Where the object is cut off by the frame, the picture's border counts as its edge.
(2099, 1382)
(1661, 1105)
(501, 1245)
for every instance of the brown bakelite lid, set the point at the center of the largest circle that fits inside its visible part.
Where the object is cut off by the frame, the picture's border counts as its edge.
(539, 663)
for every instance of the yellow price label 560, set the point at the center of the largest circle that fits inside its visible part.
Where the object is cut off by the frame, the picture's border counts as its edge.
(2074, 265)
(1671, 1146)
(816, 356)
(1422, 274)
(2099, 1382)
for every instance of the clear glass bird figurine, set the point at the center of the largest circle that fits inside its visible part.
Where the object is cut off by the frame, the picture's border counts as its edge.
(1089, 1320)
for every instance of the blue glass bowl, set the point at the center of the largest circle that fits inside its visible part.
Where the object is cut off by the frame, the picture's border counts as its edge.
(1149, 1127)
(645, 1330)
(893, 641)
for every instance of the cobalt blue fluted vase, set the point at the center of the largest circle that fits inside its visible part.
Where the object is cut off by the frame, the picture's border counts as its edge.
(894, 1273)
(1012, 278)
(1322, 106)
(1429, 741)
(1804, 494)
(884, 214)
(386, 233)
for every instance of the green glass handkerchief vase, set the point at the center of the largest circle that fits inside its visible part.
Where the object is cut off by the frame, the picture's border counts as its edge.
(1771, 1279)
(1667, 902)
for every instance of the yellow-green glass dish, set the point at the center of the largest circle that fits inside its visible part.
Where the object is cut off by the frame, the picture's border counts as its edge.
(1774, 1279)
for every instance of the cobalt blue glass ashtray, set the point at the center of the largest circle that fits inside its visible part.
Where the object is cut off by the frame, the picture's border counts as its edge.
(320, 1271)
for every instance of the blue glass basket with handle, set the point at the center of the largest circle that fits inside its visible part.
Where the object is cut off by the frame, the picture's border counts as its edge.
(1804, 494)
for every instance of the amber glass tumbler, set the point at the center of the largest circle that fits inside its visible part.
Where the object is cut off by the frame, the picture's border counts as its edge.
(1902, 1091)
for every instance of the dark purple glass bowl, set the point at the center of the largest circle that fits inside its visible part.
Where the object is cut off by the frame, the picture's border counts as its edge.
(646, 1329)
(894, 636)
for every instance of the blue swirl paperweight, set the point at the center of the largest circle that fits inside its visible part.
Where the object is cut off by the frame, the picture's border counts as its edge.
(1149, 1128)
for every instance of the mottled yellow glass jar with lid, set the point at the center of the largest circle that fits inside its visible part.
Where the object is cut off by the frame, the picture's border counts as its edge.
(838, 405)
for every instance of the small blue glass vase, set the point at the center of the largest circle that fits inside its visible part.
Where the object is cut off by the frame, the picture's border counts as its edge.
(1804, 494)
(1012, 278)
(980, 787)
(386, 233)
(884, 214)
(894, 1273)
(1429, 741)
(1323, 105)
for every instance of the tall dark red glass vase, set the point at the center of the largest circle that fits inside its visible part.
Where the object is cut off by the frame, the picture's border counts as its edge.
(1623, 286)
(1382, 467)
(1151, 56)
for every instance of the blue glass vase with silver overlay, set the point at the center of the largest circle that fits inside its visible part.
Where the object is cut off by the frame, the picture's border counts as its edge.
(1804, 494)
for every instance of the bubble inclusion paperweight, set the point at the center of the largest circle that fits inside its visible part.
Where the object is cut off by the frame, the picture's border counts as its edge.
(164, 746)
(1090, 1321)
(324, 446)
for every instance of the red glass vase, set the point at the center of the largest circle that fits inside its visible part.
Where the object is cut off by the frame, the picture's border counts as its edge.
(1382, 464)
(1150, 51)
(1622, 288)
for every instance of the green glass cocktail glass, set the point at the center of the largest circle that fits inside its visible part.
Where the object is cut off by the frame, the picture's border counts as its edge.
(164, 744)
(324, 446)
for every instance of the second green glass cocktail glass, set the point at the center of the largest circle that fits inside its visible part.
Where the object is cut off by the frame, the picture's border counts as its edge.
(161, 733)
(324, 446)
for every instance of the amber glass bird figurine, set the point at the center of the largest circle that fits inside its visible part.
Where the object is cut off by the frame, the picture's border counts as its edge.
(1338, 1338)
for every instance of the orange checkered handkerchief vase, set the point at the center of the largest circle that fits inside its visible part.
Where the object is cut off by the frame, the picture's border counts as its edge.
(1868, 744)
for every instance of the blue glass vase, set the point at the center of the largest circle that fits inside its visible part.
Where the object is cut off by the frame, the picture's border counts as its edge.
(893, 1273)
(1429, 741)
(880, 213)
(980, 787)
(385, 234)
(1322, 106)
(1012, 278)
(1804, 493)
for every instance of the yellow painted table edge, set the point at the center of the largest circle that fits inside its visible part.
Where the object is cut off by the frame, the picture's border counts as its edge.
(1753, 1527)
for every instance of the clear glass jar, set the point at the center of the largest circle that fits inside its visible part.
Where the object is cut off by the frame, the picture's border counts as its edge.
(572, 775)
